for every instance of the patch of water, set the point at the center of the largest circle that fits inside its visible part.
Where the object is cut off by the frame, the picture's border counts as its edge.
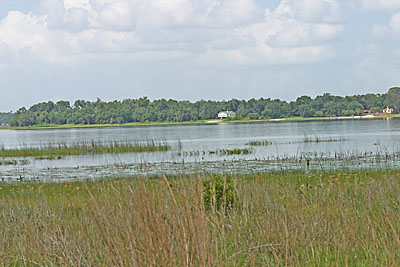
(342, 144)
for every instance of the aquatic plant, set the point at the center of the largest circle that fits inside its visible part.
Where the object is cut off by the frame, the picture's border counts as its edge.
(14, 162)
(235, 151)
(259, 143)
(51, 157)
(318, 139)
(77, 148)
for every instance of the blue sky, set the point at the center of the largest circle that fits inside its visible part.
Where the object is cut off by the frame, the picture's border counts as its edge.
(195, 49)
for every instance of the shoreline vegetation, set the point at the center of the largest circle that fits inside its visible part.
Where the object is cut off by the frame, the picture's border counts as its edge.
(162, 111)
(80, 148)
(214, 121)
(346, 218)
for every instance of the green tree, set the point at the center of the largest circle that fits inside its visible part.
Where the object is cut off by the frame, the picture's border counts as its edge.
(392, 99)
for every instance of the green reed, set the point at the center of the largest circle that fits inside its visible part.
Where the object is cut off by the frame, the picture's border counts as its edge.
(318, 139)
(259, 143)
(77, 148)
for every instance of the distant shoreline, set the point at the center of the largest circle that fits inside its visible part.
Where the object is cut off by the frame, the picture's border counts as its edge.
(213, 121)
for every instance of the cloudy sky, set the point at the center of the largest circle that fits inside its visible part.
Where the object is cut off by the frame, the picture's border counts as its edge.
(195, 49)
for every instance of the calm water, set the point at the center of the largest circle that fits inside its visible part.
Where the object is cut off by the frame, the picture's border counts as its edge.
(191, 145)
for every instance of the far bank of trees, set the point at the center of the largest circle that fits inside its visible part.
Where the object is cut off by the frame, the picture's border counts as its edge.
(6, 117)
(144, 110)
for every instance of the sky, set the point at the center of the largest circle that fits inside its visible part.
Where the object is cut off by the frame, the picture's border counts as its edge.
(195, 49)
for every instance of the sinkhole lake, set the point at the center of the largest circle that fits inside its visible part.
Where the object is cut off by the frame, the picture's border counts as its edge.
(308, 145)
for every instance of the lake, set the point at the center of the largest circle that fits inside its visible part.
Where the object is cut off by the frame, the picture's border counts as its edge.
(331, 144)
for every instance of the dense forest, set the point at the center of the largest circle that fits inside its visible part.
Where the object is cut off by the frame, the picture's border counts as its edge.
(5, 118)
(144, 110)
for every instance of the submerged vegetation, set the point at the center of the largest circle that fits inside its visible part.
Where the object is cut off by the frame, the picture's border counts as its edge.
(276, 219)
(50, 114)
(57, 150)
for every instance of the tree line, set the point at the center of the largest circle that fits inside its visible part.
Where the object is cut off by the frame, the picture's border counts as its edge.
(6, 117)
(144, 110)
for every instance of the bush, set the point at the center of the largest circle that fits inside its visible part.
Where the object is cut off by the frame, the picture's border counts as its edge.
(219, 192)
(253, 116)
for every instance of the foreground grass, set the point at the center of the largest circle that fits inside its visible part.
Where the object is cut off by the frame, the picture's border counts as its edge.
(318, 219)
(78, 148)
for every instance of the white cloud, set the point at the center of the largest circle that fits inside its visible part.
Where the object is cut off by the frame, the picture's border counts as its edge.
(21, 34)
(317, 10)
(282, 29)
(261, 55)
(237, 31)
(364, 73)
(393, 27)
(395, 23)
(380, 31)
(389, 5)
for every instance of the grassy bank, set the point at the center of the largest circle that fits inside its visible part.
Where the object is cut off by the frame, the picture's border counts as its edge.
(70, 126)
(63, 149)
(288, 219)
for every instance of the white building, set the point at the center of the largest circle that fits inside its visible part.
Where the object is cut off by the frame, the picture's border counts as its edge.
(388, 110)
(226, 114)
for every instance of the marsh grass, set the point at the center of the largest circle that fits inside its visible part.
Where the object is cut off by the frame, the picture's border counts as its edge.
(279, 219)
(77, 148)
(8, 162)
(221, 152)
(318, 139)
(234, 151)
(13, 162)
(51, 157)
(259, 143)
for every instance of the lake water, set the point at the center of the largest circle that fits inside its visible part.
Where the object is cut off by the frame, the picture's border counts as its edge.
(343, 144)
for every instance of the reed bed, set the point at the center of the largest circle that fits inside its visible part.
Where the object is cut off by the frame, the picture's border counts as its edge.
(279, 219)
(318, 139)
(13, 162)
(234, 151)
(77, 148)
(259, 143)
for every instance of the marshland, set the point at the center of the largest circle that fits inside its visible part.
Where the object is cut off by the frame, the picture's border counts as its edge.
(199, 133)
(266, 194)
(96, 153)
(273, 219)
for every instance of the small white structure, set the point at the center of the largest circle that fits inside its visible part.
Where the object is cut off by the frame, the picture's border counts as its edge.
(226, 114)
(388, 110)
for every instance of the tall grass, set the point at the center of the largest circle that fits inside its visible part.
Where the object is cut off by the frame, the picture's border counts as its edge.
(93, 147)
(290, 219)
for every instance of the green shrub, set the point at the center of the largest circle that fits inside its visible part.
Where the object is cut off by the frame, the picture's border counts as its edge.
(219, 192)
